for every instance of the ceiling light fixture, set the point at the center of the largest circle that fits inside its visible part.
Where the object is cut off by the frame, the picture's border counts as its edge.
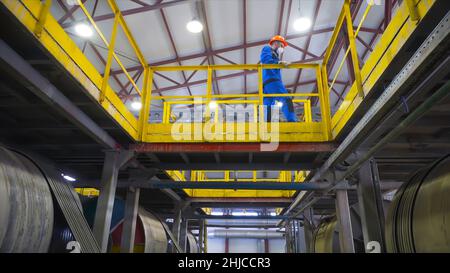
(136, 105)
(68, 177)
(83, 30)
(194, 26)
(302, 24)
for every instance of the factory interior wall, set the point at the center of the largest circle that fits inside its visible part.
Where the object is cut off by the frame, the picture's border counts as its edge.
(241, 245)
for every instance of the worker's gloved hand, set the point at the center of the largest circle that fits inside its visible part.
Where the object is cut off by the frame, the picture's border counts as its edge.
(286, 64)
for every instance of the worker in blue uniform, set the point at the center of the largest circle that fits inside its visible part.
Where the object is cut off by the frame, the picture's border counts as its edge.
(272, 82)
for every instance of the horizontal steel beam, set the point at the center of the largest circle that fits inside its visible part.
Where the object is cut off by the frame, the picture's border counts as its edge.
(169, 184)
(234, 166)
(230, 217)
(229, 147)
(239, 200)
(239, 205)
(43, 88)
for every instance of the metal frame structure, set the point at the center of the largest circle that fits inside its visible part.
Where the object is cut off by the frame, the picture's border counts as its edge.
(139, 128)
(53, 37)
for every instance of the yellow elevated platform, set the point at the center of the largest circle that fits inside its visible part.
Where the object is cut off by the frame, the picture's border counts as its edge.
(35, 17)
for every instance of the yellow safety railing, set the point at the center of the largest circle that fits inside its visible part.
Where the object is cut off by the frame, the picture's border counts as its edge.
(37, 18)
(118, 21)
(255, 99)
(394, 37)
(346, 17)
(255, 176)
(202, 175)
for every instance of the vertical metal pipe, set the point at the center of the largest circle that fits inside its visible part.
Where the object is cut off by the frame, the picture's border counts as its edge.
(344, 222)
(129, 224)
(266, 246)
(205, 240)
(227, 245)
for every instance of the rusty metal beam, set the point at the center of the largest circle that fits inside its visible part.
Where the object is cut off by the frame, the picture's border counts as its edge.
(308, 41)
(222, 50)
(128, 12)
(173, 47)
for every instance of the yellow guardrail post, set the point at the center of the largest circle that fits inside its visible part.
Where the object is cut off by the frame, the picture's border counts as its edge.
(208, 93)
(168, 111)
(260, 92)
(118, 16)
(45, 8)
(126, 30)
(353, 51)
(308, 112)
(145, 102)
(324, 100)
(334, 37)
(109, 58)
(413, 14)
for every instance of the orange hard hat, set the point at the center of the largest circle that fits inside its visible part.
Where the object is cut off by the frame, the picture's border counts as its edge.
(280, 39)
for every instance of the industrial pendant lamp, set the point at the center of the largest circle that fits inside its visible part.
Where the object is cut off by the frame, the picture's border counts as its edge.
(302, 24)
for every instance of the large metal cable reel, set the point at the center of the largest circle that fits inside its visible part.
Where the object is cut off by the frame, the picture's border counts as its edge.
(326, 234)
(419, 218)
(26, 206)
(39, 211)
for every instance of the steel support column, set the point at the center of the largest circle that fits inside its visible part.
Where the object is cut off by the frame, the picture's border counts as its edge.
(344, 222)
(370, 204)
(183, 234)
(308, 226)
(287, 235)
(201, 230)
(205, 239)
(176, 225)
(300, 243)
(129, 225)
(105, 203)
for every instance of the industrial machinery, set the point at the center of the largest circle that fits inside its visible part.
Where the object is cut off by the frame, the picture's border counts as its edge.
(169, 128)
(39, 223)
(38, 211)
(150, 236)
(191, 243)
(326, 235)
(418, 220)
(26, 206)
